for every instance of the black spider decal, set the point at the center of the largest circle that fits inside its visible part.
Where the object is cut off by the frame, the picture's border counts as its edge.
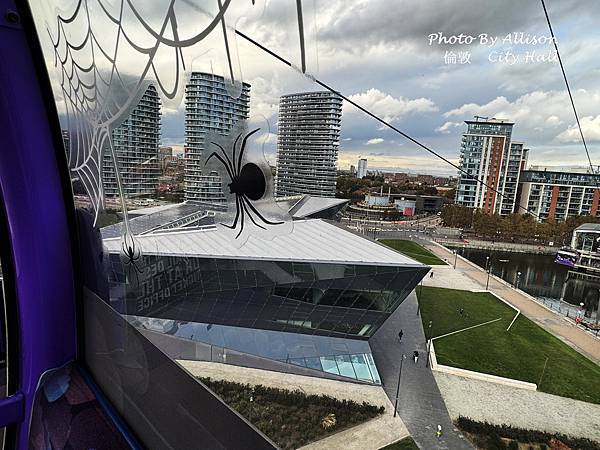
(248, 183)
(132, 255)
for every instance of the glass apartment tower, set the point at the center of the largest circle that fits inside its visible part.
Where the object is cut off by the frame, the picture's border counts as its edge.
(362, 168)
(307, 144)
(487, 154)
(208, 107)
(136, 144)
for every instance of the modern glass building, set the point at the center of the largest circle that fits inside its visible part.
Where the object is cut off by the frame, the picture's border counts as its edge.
(307, 143)
(311, 298)
(362, 168)
(208, 107)
(136, 144)
(488, 155)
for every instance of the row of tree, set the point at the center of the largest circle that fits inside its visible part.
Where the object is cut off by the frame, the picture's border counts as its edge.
(515, 227)
(355, 188)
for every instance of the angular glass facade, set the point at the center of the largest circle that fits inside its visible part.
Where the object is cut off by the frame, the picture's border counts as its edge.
(312, 314)
(343, 300)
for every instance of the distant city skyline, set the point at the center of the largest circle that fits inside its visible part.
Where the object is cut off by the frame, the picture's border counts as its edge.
(409, 83)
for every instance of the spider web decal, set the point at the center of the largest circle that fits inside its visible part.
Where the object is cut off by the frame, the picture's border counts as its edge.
(90, 44)
(106, 54)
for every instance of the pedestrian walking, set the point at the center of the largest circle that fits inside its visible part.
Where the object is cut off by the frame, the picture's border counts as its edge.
(431, 274)
(400, 334)
(461, 311)
(438, 433)
(416, 356)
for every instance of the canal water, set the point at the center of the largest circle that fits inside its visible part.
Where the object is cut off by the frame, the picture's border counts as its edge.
(540, 277)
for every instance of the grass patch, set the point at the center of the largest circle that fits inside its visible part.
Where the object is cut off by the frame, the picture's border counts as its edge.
(109, 217)
(414, 251)
(486, 435)
(291, 418)
(520, 353)
(405, 444)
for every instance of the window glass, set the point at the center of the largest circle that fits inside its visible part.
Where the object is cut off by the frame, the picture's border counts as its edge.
(205, 174)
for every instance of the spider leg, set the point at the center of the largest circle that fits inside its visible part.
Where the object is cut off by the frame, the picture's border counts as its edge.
(252, 218)
(136, 267)
(239, 166)
(235, 145)
(249, 203)
(230, 164)
(222, 161)
(242, 222)
(237, 214)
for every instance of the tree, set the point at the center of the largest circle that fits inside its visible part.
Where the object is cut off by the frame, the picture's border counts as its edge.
(457, 216)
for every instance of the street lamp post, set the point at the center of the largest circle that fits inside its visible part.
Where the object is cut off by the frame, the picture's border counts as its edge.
(581, 309)
(429, 342)
(455, 257)
(398, 388)
(487, 268)
(503, 261)
(518, 279)
(420, 296)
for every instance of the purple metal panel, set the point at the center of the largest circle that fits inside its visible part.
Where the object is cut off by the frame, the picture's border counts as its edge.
(37, 217)
(11, 409)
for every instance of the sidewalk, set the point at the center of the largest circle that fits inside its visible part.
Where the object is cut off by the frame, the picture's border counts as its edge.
(547, 319)
(420, 405)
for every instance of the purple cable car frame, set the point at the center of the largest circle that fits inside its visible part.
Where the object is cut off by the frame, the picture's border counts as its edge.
(39, 223)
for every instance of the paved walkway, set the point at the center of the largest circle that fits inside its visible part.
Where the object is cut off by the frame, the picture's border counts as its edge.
(531, 410)
(421, 406)
(547, 319)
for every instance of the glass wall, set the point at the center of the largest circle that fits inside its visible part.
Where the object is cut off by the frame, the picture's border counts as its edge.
(341, 300)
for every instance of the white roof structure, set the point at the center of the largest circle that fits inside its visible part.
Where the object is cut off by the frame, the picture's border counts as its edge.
(310, 241)
(312, 205)
(153, 209)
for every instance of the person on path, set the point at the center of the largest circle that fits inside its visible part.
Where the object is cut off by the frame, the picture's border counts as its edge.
(400, 334)
(438, 433)
(431, 274)
(416, 356)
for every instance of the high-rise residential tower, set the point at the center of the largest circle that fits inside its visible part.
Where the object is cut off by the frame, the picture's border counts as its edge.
(307, 144)
(208, 107)
(488, 155)
(362, 168)
(136, 145)
(557, 193)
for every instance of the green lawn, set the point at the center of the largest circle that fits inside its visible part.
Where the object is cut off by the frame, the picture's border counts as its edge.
(519, 353)
(405, 444)
(414, 251)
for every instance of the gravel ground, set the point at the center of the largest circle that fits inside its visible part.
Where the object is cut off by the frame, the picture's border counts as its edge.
(499, 404)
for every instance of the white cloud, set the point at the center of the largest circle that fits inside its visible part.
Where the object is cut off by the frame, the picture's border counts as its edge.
(266, 138)
(389, 108)
(375, 141)
(447, 127)
(539, 116)
(591, 131)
